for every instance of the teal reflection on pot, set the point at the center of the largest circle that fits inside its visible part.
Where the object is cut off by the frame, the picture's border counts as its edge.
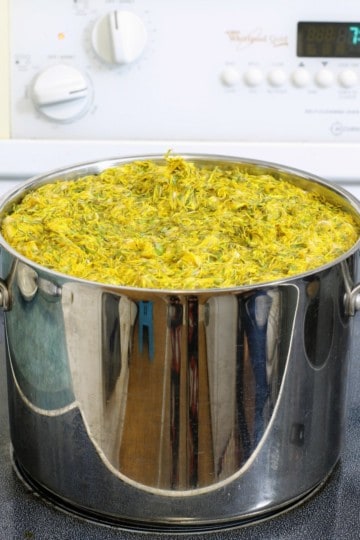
(37, 347)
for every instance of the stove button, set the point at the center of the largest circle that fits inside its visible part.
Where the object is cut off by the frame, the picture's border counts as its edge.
(300, 77)
(277, 77)
(324, 78)
(348, 78)
(253, 77)
(230, 76)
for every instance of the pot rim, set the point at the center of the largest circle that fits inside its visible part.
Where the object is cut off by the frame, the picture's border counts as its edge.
(97, 166)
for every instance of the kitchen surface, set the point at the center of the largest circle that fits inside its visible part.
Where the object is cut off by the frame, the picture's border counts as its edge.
(98, 80)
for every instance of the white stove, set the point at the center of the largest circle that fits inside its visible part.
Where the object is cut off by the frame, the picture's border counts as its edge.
(95, 79)
(279, 81)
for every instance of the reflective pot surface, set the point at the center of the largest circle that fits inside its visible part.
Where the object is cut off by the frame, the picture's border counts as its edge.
(177, 408)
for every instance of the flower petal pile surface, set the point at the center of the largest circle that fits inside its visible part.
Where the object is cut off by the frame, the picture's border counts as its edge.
(178, 224)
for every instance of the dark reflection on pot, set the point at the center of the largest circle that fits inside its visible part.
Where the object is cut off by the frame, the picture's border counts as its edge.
(193, 389)
(248, 342)
(175, 322)
(146, 327)
(252, 329)
(319, 320)
(111, 354)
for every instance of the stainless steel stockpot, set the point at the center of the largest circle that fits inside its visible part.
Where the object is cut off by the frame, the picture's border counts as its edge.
(172, 408)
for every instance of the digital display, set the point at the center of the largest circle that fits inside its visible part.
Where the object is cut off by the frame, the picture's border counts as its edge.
(328, 39)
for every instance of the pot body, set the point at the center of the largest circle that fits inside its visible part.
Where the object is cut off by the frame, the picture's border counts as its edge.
(173, 408)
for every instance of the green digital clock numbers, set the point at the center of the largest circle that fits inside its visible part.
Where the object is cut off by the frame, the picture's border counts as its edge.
(328, 39)
(355, 34)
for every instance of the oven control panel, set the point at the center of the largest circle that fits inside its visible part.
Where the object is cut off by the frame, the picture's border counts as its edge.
(149, 69)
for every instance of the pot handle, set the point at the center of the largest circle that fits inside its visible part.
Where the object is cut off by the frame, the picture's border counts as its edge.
(352, 300)
(352, 292)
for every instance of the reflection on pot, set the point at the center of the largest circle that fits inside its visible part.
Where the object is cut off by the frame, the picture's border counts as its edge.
(38, 348)
(176, 392)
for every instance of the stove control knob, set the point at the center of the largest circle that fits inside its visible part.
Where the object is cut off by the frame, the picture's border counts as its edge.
(119, 37)
(62, 93)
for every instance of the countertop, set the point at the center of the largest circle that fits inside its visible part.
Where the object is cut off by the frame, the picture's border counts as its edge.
(331, 513)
